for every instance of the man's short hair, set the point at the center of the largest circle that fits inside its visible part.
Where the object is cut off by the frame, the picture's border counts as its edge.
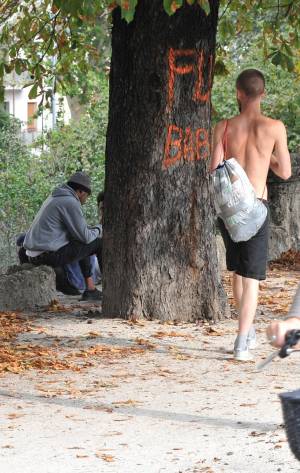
(251, 82)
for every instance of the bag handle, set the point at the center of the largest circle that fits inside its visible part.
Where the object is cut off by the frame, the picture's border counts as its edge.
(262, 196)
(224, 144)
(225, 140)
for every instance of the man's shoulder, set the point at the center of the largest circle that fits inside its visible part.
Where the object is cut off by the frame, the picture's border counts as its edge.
(271, 121)
(272, 126)
(222, 123)
(262, 121)
(219, 128)
(66, 203)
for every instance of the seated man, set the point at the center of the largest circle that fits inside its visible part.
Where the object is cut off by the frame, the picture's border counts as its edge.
(69, 278)
(59, 234)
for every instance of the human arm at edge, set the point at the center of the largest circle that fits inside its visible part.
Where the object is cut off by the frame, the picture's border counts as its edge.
(280, 162)
(217, 151)
(279, 328)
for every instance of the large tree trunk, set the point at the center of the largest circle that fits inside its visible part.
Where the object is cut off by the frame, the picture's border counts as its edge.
(160, 258)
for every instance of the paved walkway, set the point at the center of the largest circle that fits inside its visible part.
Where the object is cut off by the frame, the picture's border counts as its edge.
(122, 397)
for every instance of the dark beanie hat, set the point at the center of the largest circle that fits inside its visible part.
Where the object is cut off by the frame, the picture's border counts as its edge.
(82, 179)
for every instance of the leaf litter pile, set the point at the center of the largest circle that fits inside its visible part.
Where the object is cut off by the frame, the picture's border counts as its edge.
(288, 260)
(18, 357)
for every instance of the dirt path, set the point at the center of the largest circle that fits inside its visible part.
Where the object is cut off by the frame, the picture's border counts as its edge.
(117, 396)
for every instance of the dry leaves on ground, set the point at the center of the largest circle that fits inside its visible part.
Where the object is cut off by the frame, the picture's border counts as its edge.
(105, 457)
(18, 357)
(11, 324)
(161, 334)
(213, 332)
(129, 402)
(272, 296)
(288, 260)
(144, 342)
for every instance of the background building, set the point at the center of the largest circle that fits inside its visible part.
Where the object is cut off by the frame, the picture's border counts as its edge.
(18, 104)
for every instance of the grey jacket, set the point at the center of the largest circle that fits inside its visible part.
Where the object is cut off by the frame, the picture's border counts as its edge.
(59, 220)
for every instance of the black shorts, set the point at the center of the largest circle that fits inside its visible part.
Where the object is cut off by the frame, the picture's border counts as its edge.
(248, 258)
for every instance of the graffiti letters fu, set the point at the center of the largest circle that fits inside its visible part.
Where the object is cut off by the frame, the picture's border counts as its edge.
(185, 143)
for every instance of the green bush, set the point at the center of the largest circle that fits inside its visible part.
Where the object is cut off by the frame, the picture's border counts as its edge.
(15, 197)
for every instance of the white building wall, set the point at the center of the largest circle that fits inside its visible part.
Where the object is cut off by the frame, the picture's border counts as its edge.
(16, 102)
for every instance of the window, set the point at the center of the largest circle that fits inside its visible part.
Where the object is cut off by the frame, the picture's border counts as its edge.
(31, 116)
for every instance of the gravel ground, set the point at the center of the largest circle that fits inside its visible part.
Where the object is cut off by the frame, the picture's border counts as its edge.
(162, 398)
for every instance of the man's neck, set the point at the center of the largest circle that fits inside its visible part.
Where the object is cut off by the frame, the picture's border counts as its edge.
(251, 108)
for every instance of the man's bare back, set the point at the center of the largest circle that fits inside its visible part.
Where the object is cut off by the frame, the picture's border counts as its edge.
(257, 143)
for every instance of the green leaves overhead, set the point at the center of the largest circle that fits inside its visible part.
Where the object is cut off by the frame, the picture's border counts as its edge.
(128, 9)
(204, 4)
(33, 91)
(62, 40)
(75, 7)
(275, 24)
(171, 6)
(54, 41)
(279, 58)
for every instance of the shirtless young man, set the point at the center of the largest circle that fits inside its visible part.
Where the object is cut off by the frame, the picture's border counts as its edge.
(257, 143)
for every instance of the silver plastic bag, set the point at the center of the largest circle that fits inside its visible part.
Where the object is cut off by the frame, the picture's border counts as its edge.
(236, 203)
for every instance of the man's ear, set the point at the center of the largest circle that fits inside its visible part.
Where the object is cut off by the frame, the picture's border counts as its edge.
(239, 94)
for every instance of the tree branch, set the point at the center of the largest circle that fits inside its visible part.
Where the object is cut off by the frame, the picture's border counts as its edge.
(49, 42)
(225, 9)
(43, 26)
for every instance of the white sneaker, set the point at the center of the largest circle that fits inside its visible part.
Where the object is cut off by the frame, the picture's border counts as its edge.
(242, 355)
(251, 339)
(251, 343)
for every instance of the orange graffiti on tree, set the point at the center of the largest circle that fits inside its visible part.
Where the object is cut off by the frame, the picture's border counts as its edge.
(196, 67)
(173, 151)
(173, 54)
(198, 96)
(187, 145)
(202, 144)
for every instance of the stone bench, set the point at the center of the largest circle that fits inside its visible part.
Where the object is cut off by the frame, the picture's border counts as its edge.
(27, 287)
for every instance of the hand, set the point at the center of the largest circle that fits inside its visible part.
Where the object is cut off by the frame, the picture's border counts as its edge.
(277, 330)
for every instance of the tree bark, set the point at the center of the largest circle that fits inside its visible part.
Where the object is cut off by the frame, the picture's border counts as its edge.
(160, 257)
(77, 109)
(284, 201)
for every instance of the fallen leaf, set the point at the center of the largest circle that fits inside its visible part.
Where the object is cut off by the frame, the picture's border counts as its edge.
(14, 415)
(129, 402)
(105, 457)
(257, 434)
